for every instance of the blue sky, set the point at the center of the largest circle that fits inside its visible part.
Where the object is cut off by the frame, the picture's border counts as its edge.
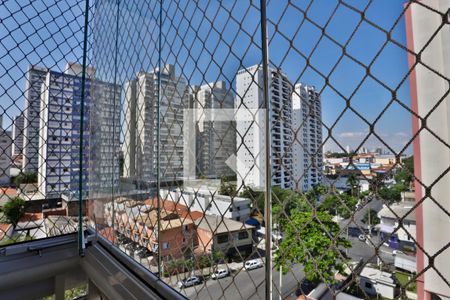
(206, 44)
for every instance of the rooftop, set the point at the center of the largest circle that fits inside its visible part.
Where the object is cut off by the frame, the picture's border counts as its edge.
(377, 275)
(399, 210)
(218, 224)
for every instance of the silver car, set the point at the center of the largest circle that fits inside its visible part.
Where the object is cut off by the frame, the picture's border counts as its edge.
(190, 281)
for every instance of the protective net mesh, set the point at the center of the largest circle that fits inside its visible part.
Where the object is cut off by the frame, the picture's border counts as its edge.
(311, 162)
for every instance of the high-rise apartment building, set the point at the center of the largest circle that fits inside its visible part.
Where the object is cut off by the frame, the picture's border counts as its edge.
(141, 125)
(250, 128)
(5, 154)
(60, 132)
(307, 142)
(211, 121)
(32, 113)
(429, 92)
(104, 138)
(17, 134)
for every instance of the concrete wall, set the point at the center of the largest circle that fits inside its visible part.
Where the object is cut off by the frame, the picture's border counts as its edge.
(433, 157)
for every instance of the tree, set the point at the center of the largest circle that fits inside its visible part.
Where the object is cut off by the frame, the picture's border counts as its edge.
(392, 194)
(342, 205)
(370, 217)
(313, 240)
(25, 177)
(227, 188)
(353, 182)
(408, 163)
(403, 176)
(14, 210)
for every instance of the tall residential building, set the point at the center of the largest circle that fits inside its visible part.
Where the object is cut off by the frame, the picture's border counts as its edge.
(60, 133)
(307, 144)
(104, 138)
(427, 36)
(32, 114)
(213, 145)
(250, 127)
(5, 155)
(17, 135)
(141, 125)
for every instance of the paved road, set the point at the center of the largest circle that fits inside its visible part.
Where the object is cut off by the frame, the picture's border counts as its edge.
(366, 251)
(245, 285)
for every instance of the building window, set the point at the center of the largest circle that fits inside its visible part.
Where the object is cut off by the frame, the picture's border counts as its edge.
(243, 235)
(222, 238)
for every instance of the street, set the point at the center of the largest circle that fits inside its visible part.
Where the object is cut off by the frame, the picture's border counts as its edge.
(244, 285)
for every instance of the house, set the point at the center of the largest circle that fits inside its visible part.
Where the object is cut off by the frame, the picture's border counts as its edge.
(210, 202)
(375, 282)
(405, 235)
(216, 233)
(323, 292)
(138, 220)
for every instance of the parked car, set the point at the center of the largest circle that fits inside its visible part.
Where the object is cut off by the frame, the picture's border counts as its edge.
(364, 237)
(253, 264)
(190, 281)
(395, 252)
(220, 273)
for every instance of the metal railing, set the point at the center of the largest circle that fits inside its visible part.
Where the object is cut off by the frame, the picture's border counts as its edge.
(236, 149)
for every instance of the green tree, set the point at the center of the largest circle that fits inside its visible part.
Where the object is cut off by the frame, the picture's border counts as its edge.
(370, 215)
(313, 240)
(257, 197)
(392, 194)
(284, 201)
(342, 205)
(14, 210)
(353, 183)
(25, 177)
(408, 163)
(403, 176)
(227, 188)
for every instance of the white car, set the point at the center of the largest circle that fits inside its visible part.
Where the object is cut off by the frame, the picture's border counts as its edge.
(190, 281)
(395, 252)
(220, 273)
(253, 264)
(362, 237)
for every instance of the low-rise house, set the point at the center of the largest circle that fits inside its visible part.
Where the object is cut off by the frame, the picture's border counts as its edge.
(138, 220)
(221, 234)
(373, 281)
(210, 202)
(390, 219)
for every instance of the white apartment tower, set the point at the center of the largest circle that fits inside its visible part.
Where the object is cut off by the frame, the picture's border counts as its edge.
(141, 125)
(17, 134)
(307, 143)
(60, 133)
(32, 114)
(250, 127)
(212, 123)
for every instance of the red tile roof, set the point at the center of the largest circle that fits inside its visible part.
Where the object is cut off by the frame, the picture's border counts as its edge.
(29, 217)
(8, 191)
(171, 206)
